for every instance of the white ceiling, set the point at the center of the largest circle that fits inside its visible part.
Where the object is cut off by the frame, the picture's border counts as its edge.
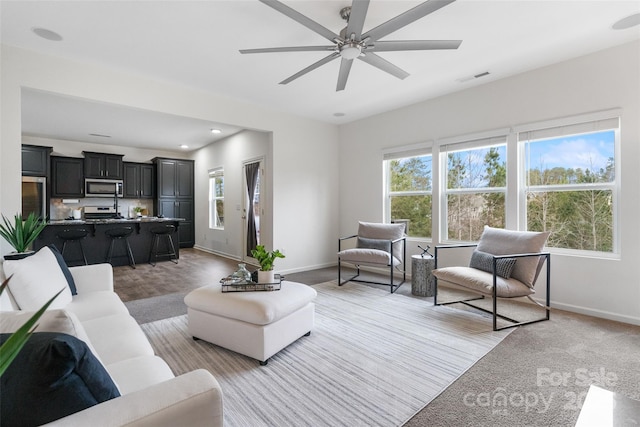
(196, 43)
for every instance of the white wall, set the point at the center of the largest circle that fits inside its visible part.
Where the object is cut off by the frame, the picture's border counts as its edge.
(228, 153)
(609, 79)
(304, 176)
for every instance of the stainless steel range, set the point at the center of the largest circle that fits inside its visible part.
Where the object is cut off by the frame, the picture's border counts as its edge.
(100, 212)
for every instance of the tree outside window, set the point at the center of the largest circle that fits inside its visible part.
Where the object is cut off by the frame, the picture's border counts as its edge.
(409, 186)
(476, 188)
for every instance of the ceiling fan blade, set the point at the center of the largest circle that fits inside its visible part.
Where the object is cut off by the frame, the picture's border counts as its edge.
(392, 45)
(406, 18)
(301, 19)
(384, 65)
(356, 18)
(345, 67)
(290, 49)
(311, 68)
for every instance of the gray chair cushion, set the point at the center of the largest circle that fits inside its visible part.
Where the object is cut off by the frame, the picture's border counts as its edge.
(378, 231)
(381, 245)
(497, 241)
(484, 261)
(365, 256)
(482, 282)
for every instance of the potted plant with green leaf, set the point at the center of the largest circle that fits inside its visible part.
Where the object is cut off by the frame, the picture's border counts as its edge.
(265, 259)
(21, 233)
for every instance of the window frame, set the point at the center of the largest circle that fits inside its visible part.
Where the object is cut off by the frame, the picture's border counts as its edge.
(418, 150)
(582, 124)
(215, 174)
(487, 140)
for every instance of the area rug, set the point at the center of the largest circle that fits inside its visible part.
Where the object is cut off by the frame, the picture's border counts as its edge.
(373, 359)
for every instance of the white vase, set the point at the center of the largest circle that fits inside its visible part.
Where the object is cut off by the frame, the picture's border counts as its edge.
(266, 276)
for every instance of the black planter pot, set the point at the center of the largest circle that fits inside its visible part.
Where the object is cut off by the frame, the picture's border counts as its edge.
(13, 256)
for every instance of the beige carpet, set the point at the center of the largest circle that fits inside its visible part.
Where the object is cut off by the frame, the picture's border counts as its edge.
(373, 359)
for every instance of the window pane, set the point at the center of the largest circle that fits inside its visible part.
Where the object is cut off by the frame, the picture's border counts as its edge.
(467, 214)
(416, 211)
(410, 174)
(575, 159)
(219, 185)
(577, 219)
(219, 213)
(478, 168)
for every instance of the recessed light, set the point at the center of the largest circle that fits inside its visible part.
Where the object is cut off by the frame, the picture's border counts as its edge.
(338, 114)
(628, 22)
(184, 146)
(47, 34)
(216, 131)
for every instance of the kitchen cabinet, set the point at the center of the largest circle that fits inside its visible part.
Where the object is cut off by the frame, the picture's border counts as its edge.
(35, 160)
(102, 165)
(174, 197)
(139, 180)
(175, 208)
(67, 177)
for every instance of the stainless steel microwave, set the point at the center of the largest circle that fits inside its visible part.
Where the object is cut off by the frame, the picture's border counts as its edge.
(103, 187)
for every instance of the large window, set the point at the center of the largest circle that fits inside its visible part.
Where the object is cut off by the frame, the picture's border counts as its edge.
(476, 180)
(216, 198)
(570, 180)
(409, 193)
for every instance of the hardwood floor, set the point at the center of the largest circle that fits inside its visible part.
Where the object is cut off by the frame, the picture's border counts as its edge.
(195, 269)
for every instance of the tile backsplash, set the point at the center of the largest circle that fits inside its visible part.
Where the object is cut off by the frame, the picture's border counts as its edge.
(63, 208)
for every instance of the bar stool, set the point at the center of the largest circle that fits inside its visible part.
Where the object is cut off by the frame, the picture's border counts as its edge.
(163, 230)
(120, 233)
(71, 235)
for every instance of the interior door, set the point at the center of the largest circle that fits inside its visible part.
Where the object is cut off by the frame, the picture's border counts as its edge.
(252, 207)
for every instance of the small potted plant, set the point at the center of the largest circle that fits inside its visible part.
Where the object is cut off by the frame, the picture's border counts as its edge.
(265, 259)
(138, 211)
(21, 233)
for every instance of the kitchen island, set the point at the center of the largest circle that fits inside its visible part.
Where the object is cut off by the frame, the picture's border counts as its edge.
(96, 244)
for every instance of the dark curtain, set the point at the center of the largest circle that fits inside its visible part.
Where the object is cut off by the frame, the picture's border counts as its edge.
(251, 171)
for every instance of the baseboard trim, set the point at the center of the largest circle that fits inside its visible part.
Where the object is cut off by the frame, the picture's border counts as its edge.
(597, 313)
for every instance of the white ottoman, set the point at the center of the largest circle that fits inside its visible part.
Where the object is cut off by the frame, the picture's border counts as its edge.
(256, 324)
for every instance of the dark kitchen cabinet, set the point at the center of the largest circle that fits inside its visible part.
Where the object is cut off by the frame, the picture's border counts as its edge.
(180, 209)
(174, 199)
(67, 177)
(102, 165)
(35, 160)
(139, 180)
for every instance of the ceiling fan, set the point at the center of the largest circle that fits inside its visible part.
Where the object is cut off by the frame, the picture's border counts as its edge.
(352, 44)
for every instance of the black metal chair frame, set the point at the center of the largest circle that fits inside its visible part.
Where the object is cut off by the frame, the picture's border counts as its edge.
(392, 285)
(74, 239)
(494, 297)
(132, 262)
(153, 253)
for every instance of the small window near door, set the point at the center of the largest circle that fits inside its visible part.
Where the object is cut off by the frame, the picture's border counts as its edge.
(216, 198)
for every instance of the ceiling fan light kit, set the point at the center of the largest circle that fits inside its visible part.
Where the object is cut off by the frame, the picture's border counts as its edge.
(352, 43)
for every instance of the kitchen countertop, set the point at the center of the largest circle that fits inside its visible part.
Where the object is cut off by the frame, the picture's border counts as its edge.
(111, 221)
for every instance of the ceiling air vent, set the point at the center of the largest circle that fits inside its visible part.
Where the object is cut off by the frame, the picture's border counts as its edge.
(476, 76)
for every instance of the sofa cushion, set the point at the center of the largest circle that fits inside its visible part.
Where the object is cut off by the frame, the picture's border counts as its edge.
(484, 261)
(36, 279)
(117, 337)
(96, 304)
(53, 376)
(138, 373)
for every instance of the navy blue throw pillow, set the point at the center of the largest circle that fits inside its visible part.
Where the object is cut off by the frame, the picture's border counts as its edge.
(53, 376)
(65, 269)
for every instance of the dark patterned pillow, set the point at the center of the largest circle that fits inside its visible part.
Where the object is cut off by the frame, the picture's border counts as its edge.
(484, 261)
(53, 376)
(380, 244)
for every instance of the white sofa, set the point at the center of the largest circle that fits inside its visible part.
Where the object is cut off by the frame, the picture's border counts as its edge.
(150, 393)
